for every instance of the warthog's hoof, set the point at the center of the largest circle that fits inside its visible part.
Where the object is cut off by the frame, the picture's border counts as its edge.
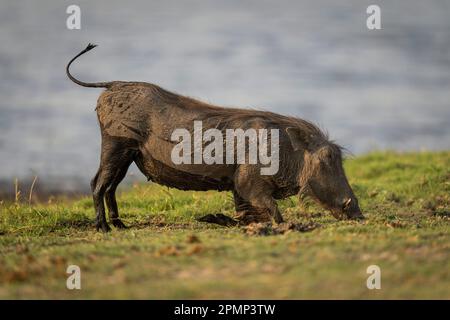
(248, 217)
(118, 224)
(103, 225)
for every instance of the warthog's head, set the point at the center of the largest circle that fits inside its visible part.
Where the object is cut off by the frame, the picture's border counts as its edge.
(322, 175)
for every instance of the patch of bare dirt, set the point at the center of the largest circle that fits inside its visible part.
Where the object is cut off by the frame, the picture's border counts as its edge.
(32, 267)
(195, 249)
(181, 250)
(170, 250)
(257, 224)
(192, 238)
(267, 228)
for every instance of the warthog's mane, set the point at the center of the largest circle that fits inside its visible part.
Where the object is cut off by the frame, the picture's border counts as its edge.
(221, 116)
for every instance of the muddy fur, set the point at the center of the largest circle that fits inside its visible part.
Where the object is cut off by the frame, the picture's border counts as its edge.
(137, 119)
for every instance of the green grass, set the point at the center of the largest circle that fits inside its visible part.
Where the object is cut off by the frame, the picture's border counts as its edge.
(405, 198)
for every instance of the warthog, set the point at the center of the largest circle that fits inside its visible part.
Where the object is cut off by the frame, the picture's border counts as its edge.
(137, 119)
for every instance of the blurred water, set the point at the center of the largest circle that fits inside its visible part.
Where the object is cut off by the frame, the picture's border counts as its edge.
(314, 59)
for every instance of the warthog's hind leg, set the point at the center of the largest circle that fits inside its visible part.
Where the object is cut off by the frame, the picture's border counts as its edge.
(110, 195)
(115, 159)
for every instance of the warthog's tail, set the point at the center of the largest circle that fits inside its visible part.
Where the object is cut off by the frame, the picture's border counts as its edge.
(86, 84)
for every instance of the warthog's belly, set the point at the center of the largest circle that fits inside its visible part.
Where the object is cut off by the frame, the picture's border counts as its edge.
(161, 173)
(155, 162)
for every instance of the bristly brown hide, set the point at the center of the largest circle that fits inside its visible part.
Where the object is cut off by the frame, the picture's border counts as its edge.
(137, 120)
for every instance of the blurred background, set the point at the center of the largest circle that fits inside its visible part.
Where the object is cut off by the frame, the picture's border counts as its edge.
(370, 89)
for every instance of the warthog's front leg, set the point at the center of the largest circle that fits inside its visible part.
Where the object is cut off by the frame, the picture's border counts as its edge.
(266, 202)
(246, 213)
(252, 188)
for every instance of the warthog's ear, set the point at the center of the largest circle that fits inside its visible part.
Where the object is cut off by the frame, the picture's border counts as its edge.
(299, 140)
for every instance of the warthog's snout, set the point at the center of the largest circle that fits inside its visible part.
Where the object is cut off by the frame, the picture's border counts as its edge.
(350, 210)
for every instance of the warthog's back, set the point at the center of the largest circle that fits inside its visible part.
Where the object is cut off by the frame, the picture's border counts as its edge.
(137, 109)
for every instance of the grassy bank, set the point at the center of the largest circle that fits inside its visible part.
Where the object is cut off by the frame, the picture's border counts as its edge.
(168, 254)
